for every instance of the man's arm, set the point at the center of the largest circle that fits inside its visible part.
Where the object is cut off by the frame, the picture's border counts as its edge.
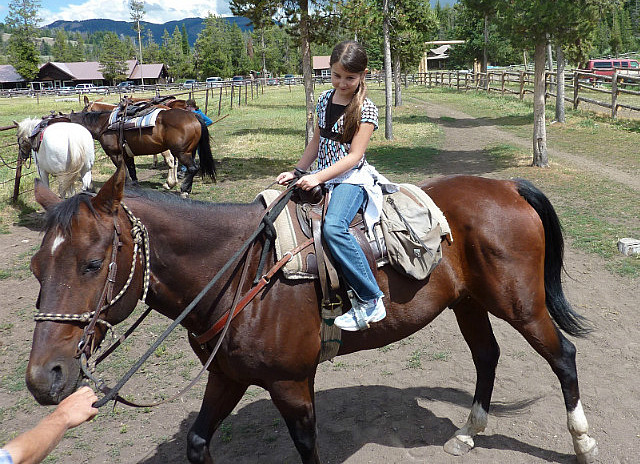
(34, 445)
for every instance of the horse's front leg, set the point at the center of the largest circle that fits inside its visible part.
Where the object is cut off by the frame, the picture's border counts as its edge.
(296, 402)
(221, 396)
(131, 168)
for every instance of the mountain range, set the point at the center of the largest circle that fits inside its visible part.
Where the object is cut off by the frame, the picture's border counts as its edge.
(193, 27)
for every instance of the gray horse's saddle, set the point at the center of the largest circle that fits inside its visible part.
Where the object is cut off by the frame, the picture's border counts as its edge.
(35, 138)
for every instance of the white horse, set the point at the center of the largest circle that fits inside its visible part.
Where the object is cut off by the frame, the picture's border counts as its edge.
(66, 151)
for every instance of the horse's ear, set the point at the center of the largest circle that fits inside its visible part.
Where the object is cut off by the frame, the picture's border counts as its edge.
(86, 101)
(44, 196)
(110, 195)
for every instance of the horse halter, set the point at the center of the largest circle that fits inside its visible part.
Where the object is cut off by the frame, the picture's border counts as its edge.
(89, 319)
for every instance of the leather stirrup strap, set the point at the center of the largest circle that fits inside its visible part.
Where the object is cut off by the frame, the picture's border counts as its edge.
(316, 228)
(334, 282)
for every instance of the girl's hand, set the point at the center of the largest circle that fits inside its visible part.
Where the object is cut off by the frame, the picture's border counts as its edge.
(308, 182)
(285, 177)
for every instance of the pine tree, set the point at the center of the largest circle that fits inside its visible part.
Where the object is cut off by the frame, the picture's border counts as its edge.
(22, 20)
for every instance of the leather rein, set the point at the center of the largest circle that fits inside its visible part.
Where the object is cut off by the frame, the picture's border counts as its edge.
(87, 346)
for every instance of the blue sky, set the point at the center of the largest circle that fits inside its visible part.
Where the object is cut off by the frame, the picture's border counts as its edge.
(156, 11)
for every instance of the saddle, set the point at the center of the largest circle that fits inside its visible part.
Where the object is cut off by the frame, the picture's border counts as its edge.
(35, 138)
(134, 115)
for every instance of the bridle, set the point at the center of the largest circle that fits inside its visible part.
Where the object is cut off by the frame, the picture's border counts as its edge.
(87, 345)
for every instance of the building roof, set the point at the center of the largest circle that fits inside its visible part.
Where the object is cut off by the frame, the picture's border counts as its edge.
(149, 71)
(90, 70)
(321, 62)
(9, 74)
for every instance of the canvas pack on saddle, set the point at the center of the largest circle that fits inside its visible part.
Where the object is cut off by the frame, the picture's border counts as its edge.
(413, 228)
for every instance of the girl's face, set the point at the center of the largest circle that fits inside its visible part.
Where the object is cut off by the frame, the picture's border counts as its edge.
(344, 82)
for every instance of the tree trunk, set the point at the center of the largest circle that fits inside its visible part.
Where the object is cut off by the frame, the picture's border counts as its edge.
(388, 123)
(485, 57)
(540, 156)
(264, 54)
(306, 68)
(560, 81)
(397, 79)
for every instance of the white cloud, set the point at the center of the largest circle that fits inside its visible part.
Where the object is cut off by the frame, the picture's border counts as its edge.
(156, 11)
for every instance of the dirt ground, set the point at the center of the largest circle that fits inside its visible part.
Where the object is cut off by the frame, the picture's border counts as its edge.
(398, 404)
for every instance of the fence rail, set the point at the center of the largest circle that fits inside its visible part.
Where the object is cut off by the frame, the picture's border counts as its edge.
(585, 85)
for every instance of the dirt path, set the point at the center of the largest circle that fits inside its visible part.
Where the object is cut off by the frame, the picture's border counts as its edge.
(466, 137)
(398, 404)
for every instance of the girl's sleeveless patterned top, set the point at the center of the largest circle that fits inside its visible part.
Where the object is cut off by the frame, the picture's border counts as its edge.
(330, 151)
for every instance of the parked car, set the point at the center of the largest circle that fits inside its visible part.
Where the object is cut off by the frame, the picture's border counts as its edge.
(89, 88)
(189, 83)
(214, 81)
(273, 81)
(237, 80)
(289, 79)
(65, 90)
(125, 84)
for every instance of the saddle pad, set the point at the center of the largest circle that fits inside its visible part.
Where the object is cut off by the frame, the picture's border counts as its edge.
(147, 120)
(286, 239)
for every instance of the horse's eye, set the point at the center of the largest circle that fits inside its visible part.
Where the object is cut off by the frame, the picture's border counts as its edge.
(93, 266)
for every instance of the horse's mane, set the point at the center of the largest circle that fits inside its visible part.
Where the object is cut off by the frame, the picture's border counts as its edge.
(61, 215)
(25, 127)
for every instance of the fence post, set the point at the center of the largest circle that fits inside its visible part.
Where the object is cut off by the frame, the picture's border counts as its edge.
(458, 80)
(488, 82)
(502, 78)
(220, 101)
(614, 94)
(16, 184)
(206, 101)
(576, 87)
(232, 90)
(521, 94)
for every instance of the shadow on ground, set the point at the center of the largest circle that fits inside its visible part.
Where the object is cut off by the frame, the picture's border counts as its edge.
(348, 419)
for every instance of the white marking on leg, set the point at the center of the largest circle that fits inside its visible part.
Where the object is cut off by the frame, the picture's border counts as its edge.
(56, 243)
(579, 429)
(476, 423)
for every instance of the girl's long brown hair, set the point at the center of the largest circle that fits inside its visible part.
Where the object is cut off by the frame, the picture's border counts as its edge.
(353, 58)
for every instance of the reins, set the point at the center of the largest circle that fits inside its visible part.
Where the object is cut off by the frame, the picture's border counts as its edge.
(138, 231)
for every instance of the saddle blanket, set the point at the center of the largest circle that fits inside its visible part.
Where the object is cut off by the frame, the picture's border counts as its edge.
(139, 122)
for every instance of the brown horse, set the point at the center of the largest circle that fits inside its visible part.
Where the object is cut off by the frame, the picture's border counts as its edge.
(176, 130)
(506, 259)
(170, 161)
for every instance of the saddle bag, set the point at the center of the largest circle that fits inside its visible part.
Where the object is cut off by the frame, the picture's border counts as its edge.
(412, 231)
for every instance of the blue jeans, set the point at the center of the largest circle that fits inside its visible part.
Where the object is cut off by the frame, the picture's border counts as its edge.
(345, 201)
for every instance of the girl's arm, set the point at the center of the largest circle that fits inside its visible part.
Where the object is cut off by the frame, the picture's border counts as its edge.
(306, 160)
(358, 147)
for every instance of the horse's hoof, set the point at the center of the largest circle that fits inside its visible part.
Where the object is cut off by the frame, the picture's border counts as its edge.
(184, 194)
(457, 447)
(588, 457)
(166, 186)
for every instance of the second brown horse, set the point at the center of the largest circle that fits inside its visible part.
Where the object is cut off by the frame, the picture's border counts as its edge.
(181, 132)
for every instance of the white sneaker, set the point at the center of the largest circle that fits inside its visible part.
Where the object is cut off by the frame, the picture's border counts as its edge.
(361, 315)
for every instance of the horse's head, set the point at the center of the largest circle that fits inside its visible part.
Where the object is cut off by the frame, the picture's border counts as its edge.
(23, 132)
(85, 238)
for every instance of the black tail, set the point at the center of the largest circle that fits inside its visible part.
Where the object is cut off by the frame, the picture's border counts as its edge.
(557, 304)
(207, 165)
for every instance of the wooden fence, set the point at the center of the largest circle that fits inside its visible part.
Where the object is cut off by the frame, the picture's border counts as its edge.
(622, 89)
